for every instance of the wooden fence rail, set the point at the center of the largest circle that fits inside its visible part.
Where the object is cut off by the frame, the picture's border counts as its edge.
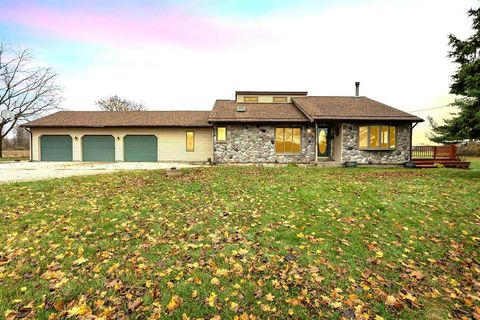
(434, 152)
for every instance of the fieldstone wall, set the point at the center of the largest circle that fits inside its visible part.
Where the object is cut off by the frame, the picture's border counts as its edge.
(252, 143)
(350, 150)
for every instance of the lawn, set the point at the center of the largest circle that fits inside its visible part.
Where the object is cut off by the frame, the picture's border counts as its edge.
(246, 242)
(474, 163)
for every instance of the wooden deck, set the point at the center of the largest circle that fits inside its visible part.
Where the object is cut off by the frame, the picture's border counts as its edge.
(434, 156)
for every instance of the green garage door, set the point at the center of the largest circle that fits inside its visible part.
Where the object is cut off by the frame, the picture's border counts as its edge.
(56, 148)
(98, 148)
(140, 148)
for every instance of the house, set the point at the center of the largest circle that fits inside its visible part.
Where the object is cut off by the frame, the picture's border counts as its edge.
(255, 127)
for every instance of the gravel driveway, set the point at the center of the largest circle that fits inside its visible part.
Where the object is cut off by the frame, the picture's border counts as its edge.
(29, 171)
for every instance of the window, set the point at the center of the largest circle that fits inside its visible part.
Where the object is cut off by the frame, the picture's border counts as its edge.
(279, 99)
(288, 140)
(250, 99)
(377, 137)
(190, 141)
(221, 133)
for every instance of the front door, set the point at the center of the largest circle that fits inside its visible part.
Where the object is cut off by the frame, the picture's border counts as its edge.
(323, 144)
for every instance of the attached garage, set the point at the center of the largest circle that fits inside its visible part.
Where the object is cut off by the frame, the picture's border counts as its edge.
(105, 136)
(142, 148)
(56, 148)
(98, 148)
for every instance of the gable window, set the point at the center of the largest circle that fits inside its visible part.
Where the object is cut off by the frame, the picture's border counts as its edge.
(288, 140)
(250, 99)
(279, 99)
(378, 137)
(190, 140)
(221, 134)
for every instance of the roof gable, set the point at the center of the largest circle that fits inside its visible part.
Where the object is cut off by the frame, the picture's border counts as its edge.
(349, 108)
(226, 110)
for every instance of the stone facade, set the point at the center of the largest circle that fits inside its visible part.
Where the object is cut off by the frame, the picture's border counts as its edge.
(350, 151)
(251, 143)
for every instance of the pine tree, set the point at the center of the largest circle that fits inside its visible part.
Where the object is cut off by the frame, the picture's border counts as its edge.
(466, 84)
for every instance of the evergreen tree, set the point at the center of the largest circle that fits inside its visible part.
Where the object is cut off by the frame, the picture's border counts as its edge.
(466, 83)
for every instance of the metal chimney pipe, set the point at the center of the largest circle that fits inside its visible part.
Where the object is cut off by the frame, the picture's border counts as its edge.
(357, 89)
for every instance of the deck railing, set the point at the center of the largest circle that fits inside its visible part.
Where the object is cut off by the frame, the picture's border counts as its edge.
(434, 152)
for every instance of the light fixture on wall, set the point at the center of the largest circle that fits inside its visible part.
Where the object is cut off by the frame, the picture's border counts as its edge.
(309, 130)
(118, 138)
(76, 138)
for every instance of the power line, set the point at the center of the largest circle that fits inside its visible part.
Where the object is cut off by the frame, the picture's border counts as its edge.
(426, 109)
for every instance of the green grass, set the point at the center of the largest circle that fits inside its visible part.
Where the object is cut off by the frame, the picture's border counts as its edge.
(474, 163)
(243, 241)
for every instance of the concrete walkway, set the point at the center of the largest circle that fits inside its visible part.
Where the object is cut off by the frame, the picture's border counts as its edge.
(30, 171)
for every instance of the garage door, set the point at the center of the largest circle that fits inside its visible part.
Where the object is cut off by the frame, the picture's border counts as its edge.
(140, 148)
(98, 148)
(56, 148)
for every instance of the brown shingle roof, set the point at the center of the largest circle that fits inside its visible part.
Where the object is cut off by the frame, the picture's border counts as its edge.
(123, 119)
(226, 110)
(350, 108)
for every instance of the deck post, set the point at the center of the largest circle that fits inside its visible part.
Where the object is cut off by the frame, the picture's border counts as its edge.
(316, 142)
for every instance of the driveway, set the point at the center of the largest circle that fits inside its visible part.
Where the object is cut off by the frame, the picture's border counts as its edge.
(29, 171)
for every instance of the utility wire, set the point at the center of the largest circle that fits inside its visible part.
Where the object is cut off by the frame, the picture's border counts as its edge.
(426, 109)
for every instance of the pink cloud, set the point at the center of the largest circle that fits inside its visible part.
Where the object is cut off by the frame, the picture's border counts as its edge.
(167, 25)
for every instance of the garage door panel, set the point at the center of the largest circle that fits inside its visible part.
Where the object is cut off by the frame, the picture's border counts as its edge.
(56, 148)
(98, 148)
(142, 148)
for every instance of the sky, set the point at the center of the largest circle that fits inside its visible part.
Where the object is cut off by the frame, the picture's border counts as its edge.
(184, 54)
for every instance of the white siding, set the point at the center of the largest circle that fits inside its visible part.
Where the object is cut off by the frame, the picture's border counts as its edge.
(171, 141)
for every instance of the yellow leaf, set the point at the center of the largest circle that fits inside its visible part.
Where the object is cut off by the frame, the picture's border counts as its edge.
(174, 303)
(290, 312)
(113, 268)
(377, 317)
(221, 272)
(233, 306)
(379, 254)
(270, 297)
(215, 281)
(79, 261)
(410, 297)
(212, 299)
(194, 293)
(23, 289)
(78, 310)
(391, 300)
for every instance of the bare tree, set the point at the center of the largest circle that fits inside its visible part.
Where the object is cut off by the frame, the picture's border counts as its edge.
(21, 138)
(115, 103)
(26, 91)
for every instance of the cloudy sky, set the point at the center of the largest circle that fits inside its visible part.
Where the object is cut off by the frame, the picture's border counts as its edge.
(184, 54)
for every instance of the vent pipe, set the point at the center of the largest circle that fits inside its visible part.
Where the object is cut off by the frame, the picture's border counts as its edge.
(357, 89)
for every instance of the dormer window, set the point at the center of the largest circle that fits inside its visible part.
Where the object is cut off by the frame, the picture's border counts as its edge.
(250, 99)
(279, 99)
